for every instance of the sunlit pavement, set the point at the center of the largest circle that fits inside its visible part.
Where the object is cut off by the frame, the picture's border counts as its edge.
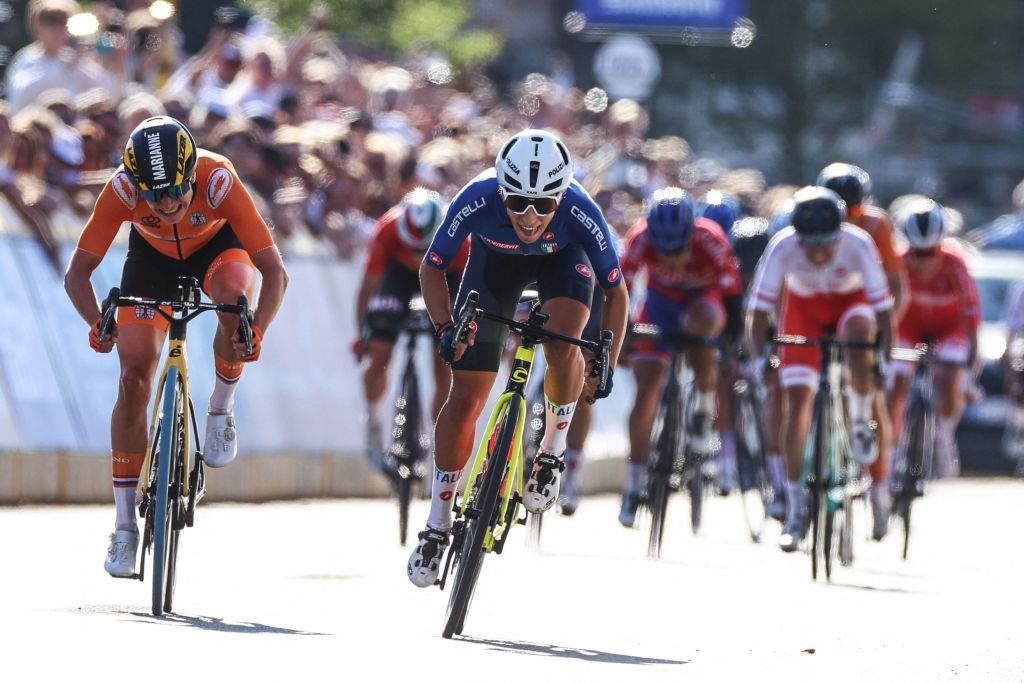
(318, 590)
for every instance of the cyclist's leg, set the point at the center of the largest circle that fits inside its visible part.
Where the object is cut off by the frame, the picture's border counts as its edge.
(858, 324)
(229, 275)
(386, 312)
(704, 317)
(566, 287)
(649, 372)
(951, 352)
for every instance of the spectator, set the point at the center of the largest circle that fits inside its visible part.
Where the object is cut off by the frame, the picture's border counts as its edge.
(51, 60)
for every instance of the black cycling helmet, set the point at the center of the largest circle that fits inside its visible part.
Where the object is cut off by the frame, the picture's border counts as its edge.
(817, 214)
(749, 237)
(161, 158)
(851, 183)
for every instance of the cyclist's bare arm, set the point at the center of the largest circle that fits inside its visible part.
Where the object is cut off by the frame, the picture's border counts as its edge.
(757, 332)
(434, 286)
(616, 313)
(366, 290)
(898, 287)
(78, 285)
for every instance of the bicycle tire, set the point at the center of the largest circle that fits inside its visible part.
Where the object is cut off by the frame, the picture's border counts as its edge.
(751, 458)
(162, 511)
(657, 497)
(534, 524)
(696, 487)
(472, 552)
(912, 466)
(819, 422)
(404, 492)
(177, 511)
(830, 549)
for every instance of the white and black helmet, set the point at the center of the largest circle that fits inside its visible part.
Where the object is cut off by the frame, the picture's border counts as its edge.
(534, 163)
(923, 223)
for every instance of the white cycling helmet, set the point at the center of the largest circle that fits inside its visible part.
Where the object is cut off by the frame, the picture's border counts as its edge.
(534, 163)
(422, 211)
(923, 223)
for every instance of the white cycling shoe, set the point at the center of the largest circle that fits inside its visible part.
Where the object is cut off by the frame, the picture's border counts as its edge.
(425, 560)
(541, 490)
(221, 444)
(121, 554)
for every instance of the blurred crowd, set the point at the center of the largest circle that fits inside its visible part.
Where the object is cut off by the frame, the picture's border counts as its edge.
(327, 135)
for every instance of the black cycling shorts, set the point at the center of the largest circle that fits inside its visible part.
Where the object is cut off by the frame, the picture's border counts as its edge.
(389, 305)
(148, 273)
(501, 278)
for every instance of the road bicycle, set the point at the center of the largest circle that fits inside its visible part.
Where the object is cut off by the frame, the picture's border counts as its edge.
(671, 463)
(831, 475)
(488, 506)
(174, 482)
(756, 491)
(404, 460)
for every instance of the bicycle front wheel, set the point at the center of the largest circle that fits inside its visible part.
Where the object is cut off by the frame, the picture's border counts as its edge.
(819, 423)
(478, 525)
(657, 497)
(165, 535)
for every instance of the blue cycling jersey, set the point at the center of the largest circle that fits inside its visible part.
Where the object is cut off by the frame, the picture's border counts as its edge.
(478, 210)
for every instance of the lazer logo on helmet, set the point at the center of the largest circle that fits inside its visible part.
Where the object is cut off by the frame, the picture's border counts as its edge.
(156, 159)
(592, 226)
(462, 215)
(183, 154)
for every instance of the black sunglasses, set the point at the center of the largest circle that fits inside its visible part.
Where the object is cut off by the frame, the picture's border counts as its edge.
(518, 204)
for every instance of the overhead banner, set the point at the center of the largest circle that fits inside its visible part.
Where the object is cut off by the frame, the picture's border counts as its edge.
(660, 14)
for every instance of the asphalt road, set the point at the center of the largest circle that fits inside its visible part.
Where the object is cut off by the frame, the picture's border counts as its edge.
(317, 591)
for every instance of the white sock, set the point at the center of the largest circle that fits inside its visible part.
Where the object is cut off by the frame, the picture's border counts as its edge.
(124, 506)
(945, 428)
(634, 477)
(795, 502)
(859, 405)
(704, 402)
(777, 471)
(573, 462)
(557, 419)
(222, 400)
(442, 491)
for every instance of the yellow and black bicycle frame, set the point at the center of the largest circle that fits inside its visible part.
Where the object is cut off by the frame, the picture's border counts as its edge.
(175, 358)
(511, 488)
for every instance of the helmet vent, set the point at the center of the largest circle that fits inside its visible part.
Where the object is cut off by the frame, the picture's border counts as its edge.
(513, 182)
(534, 172)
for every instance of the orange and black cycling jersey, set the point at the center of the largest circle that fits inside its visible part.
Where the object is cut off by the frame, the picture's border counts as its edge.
(219, 199)
(875, 222)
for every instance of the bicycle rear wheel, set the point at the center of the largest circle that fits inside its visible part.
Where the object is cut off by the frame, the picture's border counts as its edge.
(165, 535)
(407, 449)
(755, 487)
(697, 488)
(471, 553)
(533, 528)
(657, 500)
(909, 468)
(661, 466)
(403, 488)
(816, 511)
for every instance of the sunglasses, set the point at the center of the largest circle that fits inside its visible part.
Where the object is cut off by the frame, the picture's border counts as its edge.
(817, 240)
(518, 204)
(174, 192)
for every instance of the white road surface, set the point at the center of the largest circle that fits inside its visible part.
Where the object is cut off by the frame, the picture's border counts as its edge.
(317, 591)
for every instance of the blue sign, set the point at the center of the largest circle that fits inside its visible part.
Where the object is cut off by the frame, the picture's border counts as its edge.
(661, 14)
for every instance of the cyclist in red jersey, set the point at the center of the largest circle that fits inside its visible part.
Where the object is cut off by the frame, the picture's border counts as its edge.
(692, 281)
(195, 218)
(943, 308)
(390, 280)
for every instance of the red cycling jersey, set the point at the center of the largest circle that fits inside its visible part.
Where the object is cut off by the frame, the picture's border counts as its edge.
(386, 245)
(943, 297)
(711, 265)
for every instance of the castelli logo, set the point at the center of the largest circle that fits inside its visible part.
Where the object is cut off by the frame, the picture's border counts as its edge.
(583, 269)
(124, 188)
(446, 495)
(218, 187)
(562, 425)
(548, 236)
(613, 276)
(435, 259)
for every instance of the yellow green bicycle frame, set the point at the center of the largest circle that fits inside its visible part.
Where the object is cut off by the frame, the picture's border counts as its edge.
(175, 357)
(515, 391)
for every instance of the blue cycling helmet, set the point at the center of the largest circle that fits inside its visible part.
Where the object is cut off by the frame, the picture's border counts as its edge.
(817, 214)
(720, 207)
(670, 220)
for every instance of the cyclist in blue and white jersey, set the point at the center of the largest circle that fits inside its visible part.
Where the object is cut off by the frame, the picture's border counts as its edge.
(529, 221)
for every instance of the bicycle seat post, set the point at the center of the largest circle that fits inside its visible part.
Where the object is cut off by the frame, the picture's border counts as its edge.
(188, 290)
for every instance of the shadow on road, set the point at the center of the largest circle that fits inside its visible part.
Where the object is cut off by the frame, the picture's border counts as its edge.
(217, 624)
(586, 655)
(873, 589)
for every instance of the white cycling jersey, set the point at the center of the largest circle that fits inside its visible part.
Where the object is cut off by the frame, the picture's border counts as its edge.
(855, 266)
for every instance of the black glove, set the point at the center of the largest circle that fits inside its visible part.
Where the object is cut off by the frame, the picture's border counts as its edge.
(607, 386)
(446, 342)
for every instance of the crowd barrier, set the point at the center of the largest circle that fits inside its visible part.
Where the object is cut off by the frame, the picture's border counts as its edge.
(299, 409)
